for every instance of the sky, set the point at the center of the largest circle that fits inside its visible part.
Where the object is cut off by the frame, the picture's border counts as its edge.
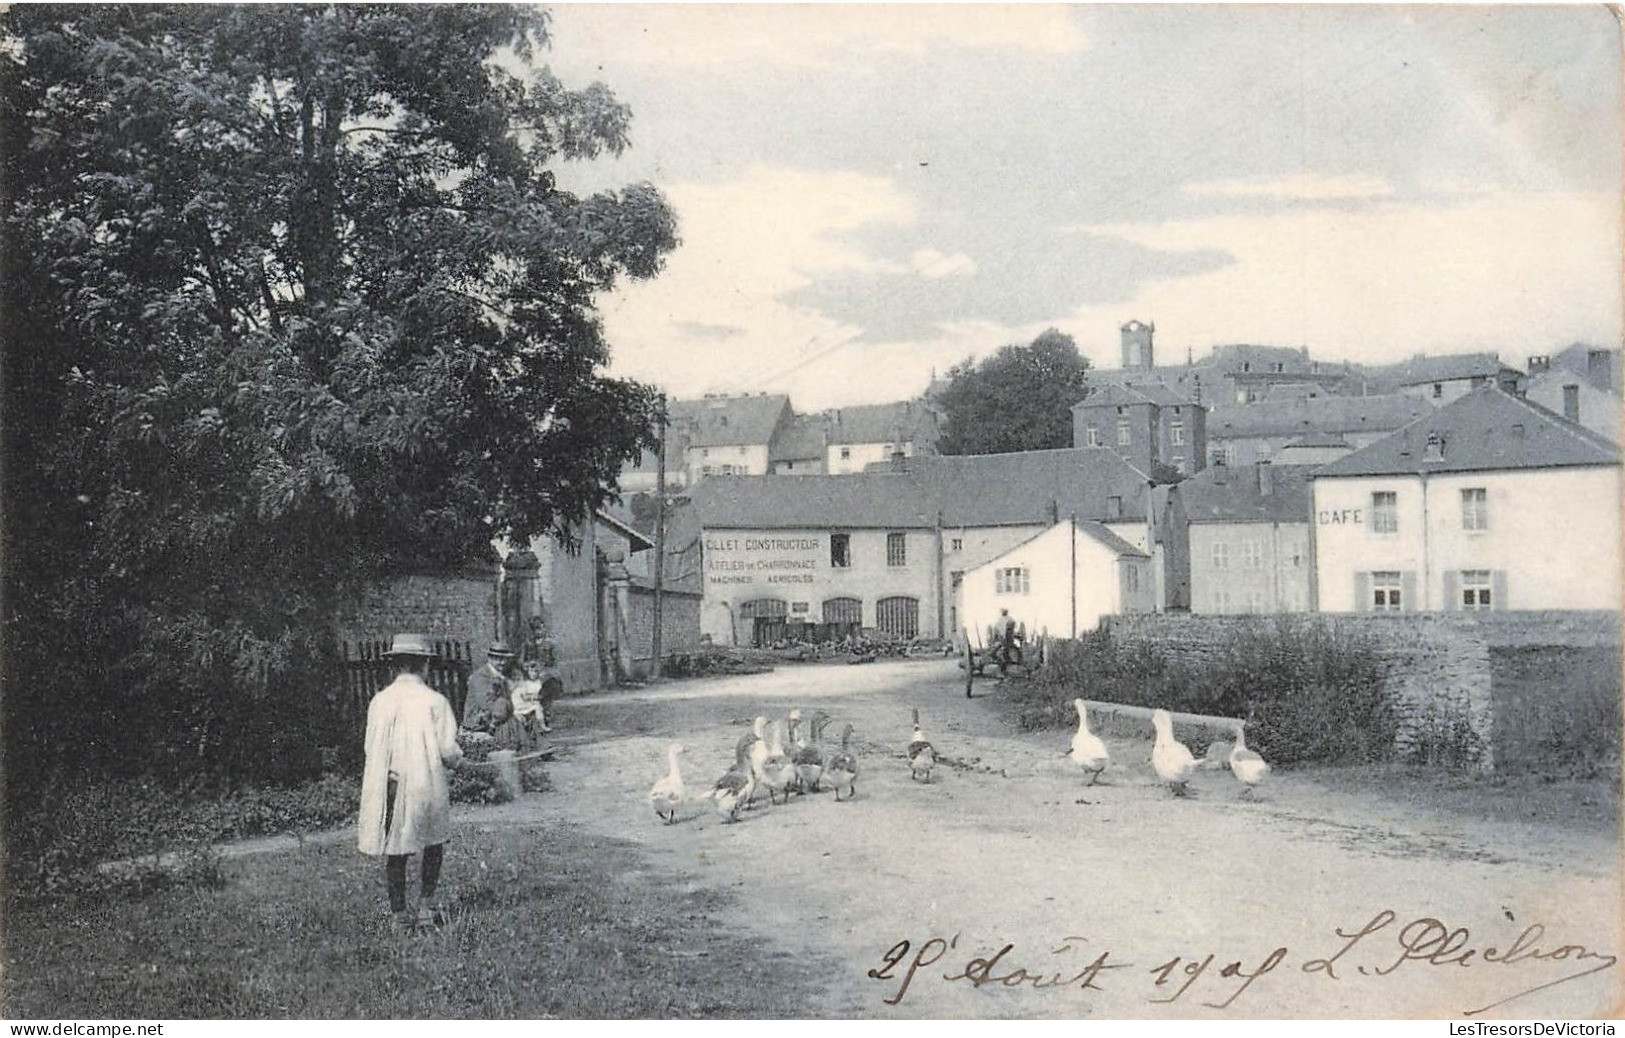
(867, 194)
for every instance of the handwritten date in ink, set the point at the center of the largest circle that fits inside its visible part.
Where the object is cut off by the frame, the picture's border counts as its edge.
(990, 969)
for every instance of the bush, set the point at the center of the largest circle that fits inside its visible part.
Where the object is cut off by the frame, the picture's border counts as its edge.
(58, 836)
(1310, 693)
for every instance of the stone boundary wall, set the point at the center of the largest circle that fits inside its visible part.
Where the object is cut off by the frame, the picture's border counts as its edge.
(459, 606)
(1438, 665)
(679, 622)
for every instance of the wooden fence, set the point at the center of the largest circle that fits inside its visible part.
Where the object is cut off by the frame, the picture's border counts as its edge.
(366, 669)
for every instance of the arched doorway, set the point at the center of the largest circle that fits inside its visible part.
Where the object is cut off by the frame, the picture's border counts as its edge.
(898, 617)
(766, 617)
(842, 617)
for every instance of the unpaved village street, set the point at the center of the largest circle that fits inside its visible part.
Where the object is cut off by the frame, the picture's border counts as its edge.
(1180, 906)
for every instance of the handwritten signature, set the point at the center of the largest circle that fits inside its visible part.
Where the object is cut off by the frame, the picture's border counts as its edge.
(1421, 942)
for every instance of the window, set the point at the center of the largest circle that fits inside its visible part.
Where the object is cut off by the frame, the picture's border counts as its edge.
(1176, 434)
(1221, 600)
(1385, 592)
(1133, 573)
(1264, 450)
(741, 449)
(705, 452)
(1475, 589)
(1122, 434)
(1252, 554)
(956, 544)
(1011, 581)
(1091, 437)
(840, 550)
(1385, 512)
(846, 453)
(1255, 601)
(1438, 390)
(1221, 555)
(1475, 509)
(896, 549)
(705, 470)
(898, 616)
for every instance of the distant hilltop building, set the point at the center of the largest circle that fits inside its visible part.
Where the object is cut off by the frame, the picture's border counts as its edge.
(1238, 373)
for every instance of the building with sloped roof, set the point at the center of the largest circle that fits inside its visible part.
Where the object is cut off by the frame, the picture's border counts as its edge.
(1151, 426)
(1248, 528)
(857, 437)
(730, 435)
(1229, 373)
(800, 447)
(1441, 379)
(1059, 582)
(1245, 434)
(887, 546)
(1488, 502)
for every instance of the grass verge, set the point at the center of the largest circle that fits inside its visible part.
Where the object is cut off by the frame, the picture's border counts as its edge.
(555, 923)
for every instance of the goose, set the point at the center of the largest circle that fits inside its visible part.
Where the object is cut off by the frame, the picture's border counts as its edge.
(778, 770)
(735, 783)
(755, 745)
(842, 767)
(1088, 751)
(922, 757)
(809, 756)
(1247, 765)
(1171, 758)
(667, 795)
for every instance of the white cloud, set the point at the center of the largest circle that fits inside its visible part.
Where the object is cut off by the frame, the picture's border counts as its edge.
(746, 244)
(1507, 273)
(808, 34)
(1306, 187)
(934, 265)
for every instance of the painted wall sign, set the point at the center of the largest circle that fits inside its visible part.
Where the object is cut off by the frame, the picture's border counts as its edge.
(1340, 517)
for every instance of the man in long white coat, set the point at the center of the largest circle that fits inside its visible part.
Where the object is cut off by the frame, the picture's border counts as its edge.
(405, 786)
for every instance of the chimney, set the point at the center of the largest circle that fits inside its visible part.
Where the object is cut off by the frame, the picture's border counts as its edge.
(1435, 448)
(1266, 479)
(1600, 369)
(899, 461)
(1221, 472)
(1537, 365)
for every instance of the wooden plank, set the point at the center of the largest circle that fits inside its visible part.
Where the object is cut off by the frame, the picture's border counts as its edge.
(1143, 713)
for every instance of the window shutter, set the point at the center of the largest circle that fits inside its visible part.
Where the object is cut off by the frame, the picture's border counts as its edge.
(1498, 590)
(1407, 593)
(1362, 592)
(1452, 591)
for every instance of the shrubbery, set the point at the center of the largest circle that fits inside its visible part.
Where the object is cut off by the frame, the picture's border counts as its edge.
(58, 836)
(1310, 693)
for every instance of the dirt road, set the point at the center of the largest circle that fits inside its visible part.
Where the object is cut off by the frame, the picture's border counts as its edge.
(1114, 901)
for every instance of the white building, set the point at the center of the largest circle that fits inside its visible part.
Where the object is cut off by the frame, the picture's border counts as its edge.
(1490, 502)
(1059, 582)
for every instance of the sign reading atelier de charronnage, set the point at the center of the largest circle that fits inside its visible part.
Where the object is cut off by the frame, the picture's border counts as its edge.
(763, 560)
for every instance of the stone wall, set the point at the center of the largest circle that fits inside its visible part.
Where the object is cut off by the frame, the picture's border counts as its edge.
(459, 607)
(1451, 669)
(679, 623)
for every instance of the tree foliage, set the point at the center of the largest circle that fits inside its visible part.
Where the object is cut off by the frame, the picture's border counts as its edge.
(292, 302)
(1019, 399)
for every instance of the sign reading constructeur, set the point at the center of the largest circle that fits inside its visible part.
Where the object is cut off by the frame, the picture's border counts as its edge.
(763, 560)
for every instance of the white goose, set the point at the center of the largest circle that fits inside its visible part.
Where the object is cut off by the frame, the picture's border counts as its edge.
(778, 770)
(842, 767)
(1089, 752)
(755, 755)
(731, 789)
(922, 756)
(1246, 765)
(809, 756)
(667, 795)
(1171, 758)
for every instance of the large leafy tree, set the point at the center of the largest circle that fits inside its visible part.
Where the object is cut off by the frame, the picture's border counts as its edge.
(291, 302)
(1018, 399)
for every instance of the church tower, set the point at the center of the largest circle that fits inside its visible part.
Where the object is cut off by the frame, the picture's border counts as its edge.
(1137, 345)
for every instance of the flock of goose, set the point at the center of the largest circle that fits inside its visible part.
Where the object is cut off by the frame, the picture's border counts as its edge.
(784, 757)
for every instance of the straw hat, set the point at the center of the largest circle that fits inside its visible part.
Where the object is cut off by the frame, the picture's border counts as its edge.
(410, 645)
(499, 651)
